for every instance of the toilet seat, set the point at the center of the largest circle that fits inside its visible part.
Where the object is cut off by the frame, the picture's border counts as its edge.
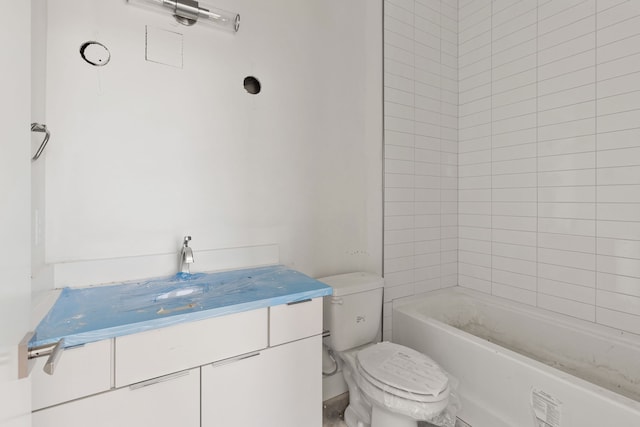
(402, 372)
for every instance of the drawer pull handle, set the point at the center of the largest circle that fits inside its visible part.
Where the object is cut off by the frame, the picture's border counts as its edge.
(235, 359)
(299, 302)
(26, 353)
(158, 380)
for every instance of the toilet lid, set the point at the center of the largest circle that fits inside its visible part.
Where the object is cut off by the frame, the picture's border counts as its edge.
(412, 374)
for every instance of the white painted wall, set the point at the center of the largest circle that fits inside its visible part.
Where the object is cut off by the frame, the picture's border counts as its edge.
(15, 288)
(421, 134)
(549, 155)
(143, 153)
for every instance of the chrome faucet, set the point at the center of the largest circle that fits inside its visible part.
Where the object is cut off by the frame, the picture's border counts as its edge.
(186, 255)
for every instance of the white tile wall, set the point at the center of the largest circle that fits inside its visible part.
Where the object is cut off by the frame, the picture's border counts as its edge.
(549, 163)
(421, 148)
(541, 131)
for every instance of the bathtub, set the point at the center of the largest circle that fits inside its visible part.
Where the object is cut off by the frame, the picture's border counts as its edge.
(519, 366)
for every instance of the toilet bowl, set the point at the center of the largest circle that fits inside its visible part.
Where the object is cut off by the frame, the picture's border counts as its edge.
(392, 386)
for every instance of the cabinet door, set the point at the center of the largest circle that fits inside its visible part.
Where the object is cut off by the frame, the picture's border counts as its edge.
(280, 387)
(80, 372)
(173, 400)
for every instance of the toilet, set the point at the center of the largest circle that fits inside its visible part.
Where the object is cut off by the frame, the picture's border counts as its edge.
(389, 385)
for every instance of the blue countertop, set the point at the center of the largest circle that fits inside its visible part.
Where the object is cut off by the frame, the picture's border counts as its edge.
(84, 315)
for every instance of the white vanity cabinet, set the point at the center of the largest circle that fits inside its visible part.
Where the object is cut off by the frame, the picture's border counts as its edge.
(280, 386)
(168, 401)
(258, 367)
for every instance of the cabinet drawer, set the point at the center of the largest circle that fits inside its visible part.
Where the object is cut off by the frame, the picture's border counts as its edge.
(162, 351)
(290, 322)
(168, 402)
(80, 371)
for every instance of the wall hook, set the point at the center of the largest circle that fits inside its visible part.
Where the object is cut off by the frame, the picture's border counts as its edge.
(37, 127)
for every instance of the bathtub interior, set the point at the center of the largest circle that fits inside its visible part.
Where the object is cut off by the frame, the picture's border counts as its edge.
(597, 354)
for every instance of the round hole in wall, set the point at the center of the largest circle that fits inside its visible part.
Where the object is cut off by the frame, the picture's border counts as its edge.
(95, 53)
(252, 85)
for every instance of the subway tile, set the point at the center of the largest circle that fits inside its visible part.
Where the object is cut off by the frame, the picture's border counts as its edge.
(522, 281)
(618, 31)
(566, 81)
(567, 194)
(567, 307)
(398, 264)
(619, 193)
(475, 182)
(516, 52)
(516, 237)
(579, 260)
(619, 247)
(583, 294)
(393, 39)
(567, 274)
(619, 175)
(514, 67)
(513, 223)
(400, 222)
(398, 208)
(568, 113)
(619, 49)
(616, 265)
(618, 13)
(513, 195)
(619, 284)
(511, 19)
(618, 121)
(619, 320)
(619, 103)
(568, 64)
(398, 181)
(579, 227)
(477, 284)
(520, 209)
(566, 97)
(567, 242)
(566, 130)
(568, 31)
(619, 229)
(514, 265)
(514, 166)
(516, 180)
(523, 136)
(619, 211)
(474, 258)
(516, 32)
(512, 293)
(618, 85)
(474, 220)
(619, 302)
(568, 48)
(567, 162)
(567, 178)
(400, 250)
(475, 233)
(515, 95)
(576, 144)
(395, 292)
(513, 124)
(567, 210)
(526, 253)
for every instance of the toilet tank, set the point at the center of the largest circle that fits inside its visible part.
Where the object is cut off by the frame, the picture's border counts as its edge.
(354, 311)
